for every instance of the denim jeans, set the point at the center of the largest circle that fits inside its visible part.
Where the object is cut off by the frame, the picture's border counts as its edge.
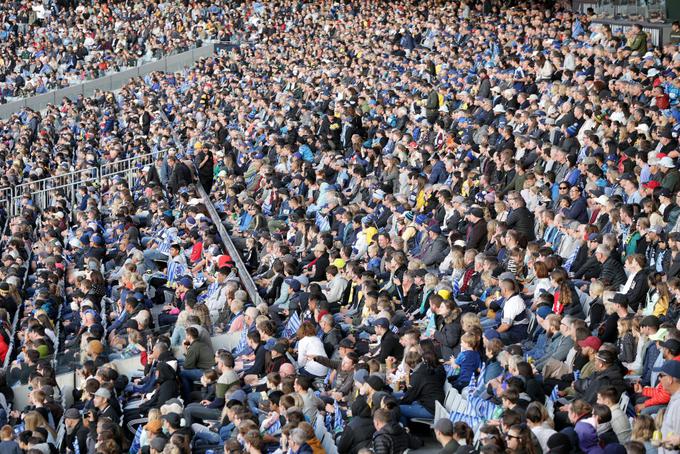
(188, 376)
(415, 410)
(211, 438)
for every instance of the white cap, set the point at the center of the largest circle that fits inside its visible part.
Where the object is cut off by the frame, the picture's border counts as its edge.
(667, 162)
(602, 200)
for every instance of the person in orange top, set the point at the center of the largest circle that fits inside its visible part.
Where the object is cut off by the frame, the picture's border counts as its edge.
(657, 395)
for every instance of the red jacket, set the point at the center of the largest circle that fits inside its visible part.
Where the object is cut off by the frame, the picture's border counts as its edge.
(657, 395)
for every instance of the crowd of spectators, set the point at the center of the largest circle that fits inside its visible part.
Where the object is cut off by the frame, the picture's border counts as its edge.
(432, 199)
(48, 45)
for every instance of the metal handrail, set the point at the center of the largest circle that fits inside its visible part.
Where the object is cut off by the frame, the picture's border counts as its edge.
(244, 275)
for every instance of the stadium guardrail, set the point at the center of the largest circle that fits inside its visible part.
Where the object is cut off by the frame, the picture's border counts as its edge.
(111, 82)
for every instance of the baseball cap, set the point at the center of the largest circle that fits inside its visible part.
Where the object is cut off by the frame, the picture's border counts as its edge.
(103, 392)
(444, 426)
(294, 284)
(158, 443)
(375, 382)
(435, 228)
(671, 368)
(186, 281)
(591, 341)
(382, 322)
(667, 162)
(72, 413)
(673, 345)
(360, 376)
(659, 335)
(173, 419)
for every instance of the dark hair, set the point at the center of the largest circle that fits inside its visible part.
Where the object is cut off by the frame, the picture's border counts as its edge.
(609, 393)
(603, 413)
(304, 382)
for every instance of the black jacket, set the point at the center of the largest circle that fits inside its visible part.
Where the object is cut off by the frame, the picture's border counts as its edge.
(166, 388)
(390, 346)
(475, 236)
(359, 431)
(522, 220)
(180, 176)
(391, 439)
(613, 274)
(589, 269)
(448, 337)
(79, 435)
(426, 386)
(638, 291)
(587, 388)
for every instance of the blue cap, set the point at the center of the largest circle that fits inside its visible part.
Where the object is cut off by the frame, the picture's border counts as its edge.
(435, 228)
(294, 284)
(421, 219)
(382, 322)
(543, 311)
(671, 368)
(186, 281)
(491, 334)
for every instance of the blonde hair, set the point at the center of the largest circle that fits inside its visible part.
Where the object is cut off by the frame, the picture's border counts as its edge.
(643, 428)
(431, 280)
(470, 318)
(625, 326)
(596, 289)
(34, 420)
(457, 259)
(470, 339)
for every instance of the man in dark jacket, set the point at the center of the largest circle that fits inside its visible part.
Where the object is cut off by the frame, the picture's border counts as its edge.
(180, 175)
(608, 373)
(390, 437)
(520, 218)
(76, 432)
(198, 358)
(436, 247)
(475, 236)
(360, 429)
(389, 342)
(613, 275)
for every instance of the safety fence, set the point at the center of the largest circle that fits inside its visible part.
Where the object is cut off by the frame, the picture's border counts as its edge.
(108, 83)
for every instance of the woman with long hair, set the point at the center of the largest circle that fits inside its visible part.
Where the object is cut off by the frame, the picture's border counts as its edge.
(448, 328)
(566, 299)
(540, 423)
(34, 421)
(425, 386)
(519, 440)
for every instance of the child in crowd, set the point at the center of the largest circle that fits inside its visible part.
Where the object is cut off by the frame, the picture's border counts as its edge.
(467, 362)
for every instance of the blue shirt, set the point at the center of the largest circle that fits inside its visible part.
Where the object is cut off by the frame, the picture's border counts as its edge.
(468, 361)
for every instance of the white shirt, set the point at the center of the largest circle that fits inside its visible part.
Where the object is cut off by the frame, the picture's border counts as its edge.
(512, 308)
(542, 434)
(311, 345)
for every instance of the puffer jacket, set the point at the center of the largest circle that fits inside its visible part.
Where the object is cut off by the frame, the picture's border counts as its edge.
(391, 439)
